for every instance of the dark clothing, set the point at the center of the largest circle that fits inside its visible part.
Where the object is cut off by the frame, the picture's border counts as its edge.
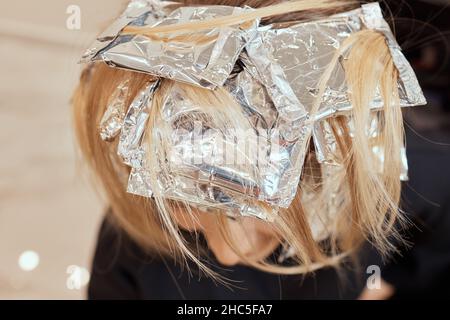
(423, 269)
(121, 270)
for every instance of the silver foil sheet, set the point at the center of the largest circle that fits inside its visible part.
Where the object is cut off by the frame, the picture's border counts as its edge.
(130, 147)
(291, 61)
(112, 120)
(409, 88)
(327, 150)
(211, 164)
(272, 73)
(134, 125)
(180, 56)
(136, 13)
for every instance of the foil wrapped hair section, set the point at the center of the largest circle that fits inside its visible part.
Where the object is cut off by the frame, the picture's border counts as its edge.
(133, 127)
(137, 12)
(211, 161)
(282, 140)
(112, 120)
(409, 88)
(325, 137)
(130, 123)
(203, 58)
(292, 72)
(131, 148)
(276, 78)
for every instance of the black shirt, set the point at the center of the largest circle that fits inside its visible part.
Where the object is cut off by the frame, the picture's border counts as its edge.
(121, 270)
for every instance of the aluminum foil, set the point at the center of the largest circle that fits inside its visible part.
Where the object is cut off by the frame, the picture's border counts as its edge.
(179, 55)
(133, 127)
(327, 150)
(112, 120)
(200, 168)
(285, 144)
(409, 88)
(273, 74)
(130, 146)
(291, 61)
(136, 13)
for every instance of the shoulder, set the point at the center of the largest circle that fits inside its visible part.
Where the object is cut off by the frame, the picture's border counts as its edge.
(116, 264)
(121, 269)
(111, 272)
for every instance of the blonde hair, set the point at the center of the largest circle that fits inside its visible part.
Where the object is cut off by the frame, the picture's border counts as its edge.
(369, 197)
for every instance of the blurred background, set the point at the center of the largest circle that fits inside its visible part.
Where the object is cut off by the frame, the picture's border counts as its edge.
(50, 214)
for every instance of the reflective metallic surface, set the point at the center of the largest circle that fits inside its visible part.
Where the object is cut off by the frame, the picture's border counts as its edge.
(112, 120)
(130, 146)
(274, 74)
(178, 56)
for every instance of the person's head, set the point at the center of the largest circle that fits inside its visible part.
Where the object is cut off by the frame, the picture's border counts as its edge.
(346, 203)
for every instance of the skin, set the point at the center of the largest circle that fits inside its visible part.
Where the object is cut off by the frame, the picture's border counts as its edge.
(383, 293)
(256, 238)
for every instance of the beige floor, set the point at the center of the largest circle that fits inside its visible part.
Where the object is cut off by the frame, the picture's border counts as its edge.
(46, 204)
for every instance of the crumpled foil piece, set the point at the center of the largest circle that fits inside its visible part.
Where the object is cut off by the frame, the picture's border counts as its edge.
(285, 139)
(112, 120)
(290, 63)
(324, 137)
(292, 72)
(136, 13)
(198, 167)
(409, 88)
(130, 147)
(179, 55)
(274, 79)
(139, 182)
